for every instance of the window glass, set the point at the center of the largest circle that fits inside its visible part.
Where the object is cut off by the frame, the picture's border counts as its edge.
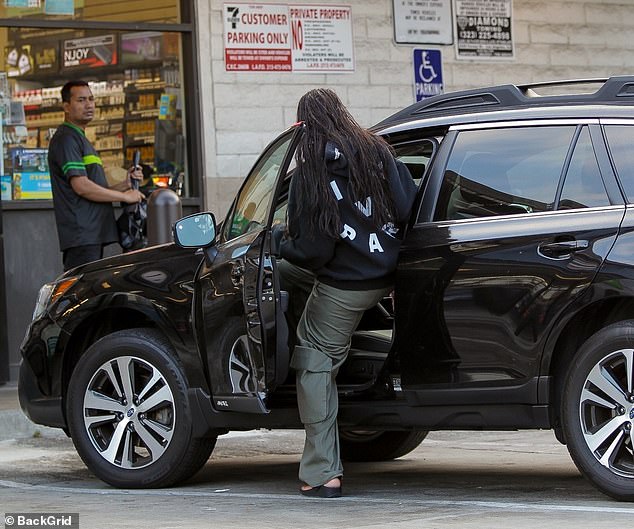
(621, 141)
(416, 156)
(503, 172)
(138, 81)
(281, 207)
(583, 187)
(254, 201)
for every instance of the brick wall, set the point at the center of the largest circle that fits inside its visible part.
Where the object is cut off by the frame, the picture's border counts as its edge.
(242, 112)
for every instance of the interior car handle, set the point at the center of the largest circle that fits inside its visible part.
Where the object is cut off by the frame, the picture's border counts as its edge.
(237, 271)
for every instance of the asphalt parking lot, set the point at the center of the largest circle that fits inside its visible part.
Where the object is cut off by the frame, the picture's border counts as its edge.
(454, 479)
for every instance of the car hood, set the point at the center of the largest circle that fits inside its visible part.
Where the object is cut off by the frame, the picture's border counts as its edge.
(152, 254)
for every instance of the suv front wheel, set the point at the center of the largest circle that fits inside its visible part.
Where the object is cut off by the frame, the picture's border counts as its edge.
(598, 410)
(129, 415)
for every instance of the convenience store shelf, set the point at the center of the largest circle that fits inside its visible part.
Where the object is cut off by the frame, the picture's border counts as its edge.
(125, 118)
(150, 113)
(143, 140)
(32, 123)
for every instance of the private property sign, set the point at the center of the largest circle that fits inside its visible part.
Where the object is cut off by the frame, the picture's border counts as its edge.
(288, 38)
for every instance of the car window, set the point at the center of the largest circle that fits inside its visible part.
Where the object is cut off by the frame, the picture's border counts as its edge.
(254, 201)
(583, 187)
(416, 155)
(503, 172)
(281, 207)
(621, 142)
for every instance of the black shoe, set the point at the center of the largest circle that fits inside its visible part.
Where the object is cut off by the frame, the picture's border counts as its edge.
(322, 492)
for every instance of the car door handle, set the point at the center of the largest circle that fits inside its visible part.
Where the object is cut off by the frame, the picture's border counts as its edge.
(561, 248)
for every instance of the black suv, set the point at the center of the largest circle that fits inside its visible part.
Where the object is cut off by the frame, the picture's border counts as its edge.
(513, 304)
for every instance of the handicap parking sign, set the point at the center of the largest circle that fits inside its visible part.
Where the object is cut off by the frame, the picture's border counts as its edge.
(427, 73)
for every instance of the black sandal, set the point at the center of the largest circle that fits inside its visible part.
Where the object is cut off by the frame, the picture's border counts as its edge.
(322, 492)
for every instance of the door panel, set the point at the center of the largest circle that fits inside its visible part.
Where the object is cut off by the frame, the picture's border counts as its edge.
(478, 290)
(238, 298)
(485, 293)
(227, 296)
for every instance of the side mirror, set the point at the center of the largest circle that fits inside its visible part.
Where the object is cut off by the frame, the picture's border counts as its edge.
(195, 231)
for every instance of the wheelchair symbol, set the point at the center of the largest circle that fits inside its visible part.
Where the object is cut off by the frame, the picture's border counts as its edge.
(426, 70)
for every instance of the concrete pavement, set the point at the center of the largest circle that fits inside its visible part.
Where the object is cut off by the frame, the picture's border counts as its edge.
(9, 397)
(481, 480)
(524, 480)
(13, 423)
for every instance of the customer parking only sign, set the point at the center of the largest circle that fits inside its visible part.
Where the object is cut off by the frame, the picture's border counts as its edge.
(288, 38)
(427, 73)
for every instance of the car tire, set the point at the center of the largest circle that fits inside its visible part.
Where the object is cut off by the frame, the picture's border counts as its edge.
(366, 446)
(598, 410)
(129, 415)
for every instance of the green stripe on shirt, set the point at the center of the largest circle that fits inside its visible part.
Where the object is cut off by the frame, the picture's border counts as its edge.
(75, 127)
(73, 165)
(92, 158)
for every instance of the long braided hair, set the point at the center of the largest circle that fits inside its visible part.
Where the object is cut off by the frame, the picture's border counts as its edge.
(326, 119)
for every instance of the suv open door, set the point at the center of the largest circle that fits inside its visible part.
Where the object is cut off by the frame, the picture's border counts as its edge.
(237, 297)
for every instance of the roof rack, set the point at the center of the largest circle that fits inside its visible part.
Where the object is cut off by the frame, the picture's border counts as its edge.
(567, 82)
(619, 90)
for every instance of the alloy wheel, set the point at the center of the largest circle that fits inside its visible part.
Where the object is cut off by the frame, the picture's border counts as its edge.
(129, 412)
(606, 410)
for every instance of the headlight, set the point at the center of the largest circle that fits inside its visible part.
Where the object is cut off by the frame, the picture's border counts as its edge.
(51, 292)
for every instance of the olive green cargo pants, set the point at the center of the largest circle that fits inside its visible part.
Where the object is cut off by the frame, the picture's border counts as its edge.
(325, 317)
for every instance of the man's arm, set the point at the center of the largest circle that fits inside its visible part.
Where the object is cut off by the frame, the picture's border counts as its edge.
(71, 161)
(89, 190)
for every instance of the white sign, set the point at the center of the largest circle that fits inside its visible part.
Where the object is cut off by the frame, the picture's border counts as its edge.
(422, 22)
(484, 29)
(256, 37)
(322, 38)
(277, 37)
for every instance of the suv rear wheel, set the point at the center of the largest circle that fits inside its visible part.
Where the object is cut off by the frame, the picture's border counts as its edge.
(367, 445)
(598, 410)
(129, 414)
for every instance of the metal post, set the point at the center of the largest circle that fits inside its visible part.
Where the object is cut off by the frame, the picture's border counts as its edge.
(164, 208)
(4, 329)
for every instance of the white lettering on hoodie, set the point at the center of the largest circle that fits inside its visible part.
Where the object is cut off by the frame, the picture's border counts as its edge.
(335, 190)
(374, 243)
(349, 232)
(366, 208)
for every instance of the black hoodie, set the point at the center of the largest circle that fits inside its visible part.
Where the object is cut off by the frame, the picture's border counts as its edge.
(363, 257)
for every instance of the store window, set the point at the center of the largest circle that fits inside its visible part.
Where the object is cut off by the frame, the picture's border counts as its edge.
(154, 11)
(137, 80)
(137, 76)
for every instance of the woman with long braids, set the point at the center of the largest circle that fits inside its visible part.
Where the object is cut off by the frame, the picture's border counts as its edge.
(348, 203)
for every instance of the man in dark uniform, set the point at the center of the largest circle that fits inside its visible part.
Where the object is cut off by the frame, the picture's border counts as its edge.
(81, 197)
